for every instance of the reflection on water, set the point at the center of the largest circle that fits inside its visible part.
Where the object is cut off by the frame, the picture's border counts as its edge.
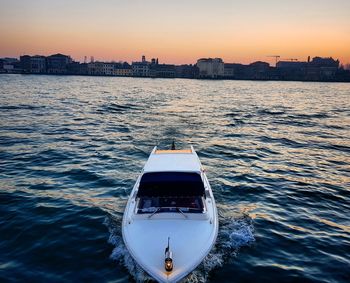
(277, 155)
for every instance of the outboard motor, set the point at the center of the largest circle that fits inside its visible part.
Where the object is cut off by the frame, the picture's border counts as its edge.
(168, 258)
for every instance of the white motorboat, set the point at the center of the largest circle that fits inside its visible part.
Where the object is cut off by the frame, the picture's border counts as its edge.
(170, 222)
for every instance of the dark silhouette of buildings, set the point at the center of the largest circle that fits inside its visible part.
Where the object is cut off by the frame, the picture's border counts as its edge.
(211, 68)
(25, 63)
(186, 71)
(161, 70)
(38, 64)
(291, 70)
(141, 69)
(10, 65)
(315, 69)
(57, 64)
(123, 69)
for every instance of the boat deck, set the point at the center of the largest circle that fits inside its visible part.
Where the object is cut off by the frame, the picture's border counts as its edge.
(173, 151)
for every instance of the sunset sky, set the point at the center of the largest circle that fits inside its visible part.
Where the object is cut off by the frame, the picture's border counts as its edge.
(178, 31)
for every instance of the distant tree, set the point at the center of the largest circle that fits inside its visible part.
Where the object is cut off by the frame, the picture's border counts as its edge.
(347, 67)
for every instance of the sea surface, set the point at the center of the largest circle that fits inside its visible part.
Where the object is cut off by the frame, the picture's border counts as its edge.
(277, 155)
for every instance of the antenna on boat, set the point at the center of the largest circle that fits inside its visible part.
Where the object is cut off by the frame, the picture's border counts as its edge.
(168, 258)
(173, 146)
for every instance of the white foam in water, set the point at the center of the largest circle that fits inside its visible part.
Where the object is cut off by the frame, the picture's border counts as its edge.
(233, 233)
(121, 254)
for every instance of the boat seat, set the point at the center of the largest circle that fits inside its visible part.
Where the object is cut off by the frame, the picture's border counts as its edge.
(191, 202)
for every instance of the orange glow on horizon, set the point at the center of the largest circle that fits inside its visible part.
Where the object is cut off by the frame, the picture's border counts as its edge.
(173, 36)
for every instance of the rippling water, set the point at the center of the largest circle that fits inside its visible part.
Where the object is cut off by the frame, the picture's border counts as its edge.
(277, 155)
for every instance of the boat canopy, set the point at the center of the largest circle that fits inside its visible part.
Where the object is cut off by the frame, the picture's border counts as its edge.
(171, 184)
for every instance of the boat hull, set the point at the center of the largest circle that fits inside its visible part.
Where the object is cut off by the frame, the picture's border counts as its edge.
(192, 236)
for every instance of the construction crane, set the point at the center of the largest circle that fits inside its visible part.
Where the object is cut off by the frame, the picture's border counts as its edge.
(291, 59)
(276, 57)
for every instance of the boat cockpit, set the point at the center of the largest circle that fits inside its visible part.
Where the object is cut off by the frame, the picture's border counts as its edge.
(182, 192)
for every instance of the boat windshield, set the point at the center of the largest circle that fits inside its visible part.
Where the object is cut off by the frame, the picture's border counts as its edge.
(170, 192)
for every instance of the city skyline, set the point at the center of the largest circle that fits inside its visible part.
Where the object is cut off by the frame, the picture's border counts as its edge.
(314, 69)
(177, 32)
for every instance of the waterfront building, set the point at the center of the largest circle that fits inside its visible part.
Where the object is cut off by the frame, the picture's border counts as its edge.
(10, 65)
(37, 64)
(76, 68)
(57, 63)
(211, 68)
(292, 70)
(101, 68)
(25, 63)
(343, 74)
(323, 69)
(33, 64)
(324, 62)
(83, 69)
(141, 69)
(162, 70)
(186, 71)
(258, 71)
(95, 68)
(107, 69)
(233, 70)
(273, 73)
(318, 69)
(122, 70)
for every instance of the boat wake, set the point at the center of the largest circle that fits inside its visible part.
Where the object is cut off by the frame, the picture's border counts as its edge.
(234, 232)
